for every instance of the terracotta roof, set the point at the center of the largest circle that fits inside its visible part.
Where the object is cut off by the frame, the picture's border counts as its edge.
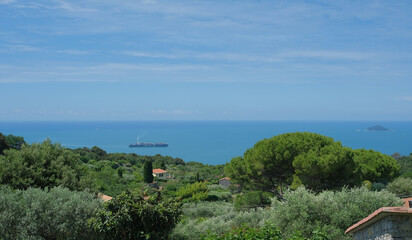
(225, 178)
(406, 202)
(105, 198)
(158, 170)
(377, 215)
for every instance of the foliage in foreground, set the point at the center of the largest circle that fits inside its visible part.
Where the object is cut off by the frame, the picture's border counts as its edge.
(303, 210)
(252, 200)
(268, 232)
(401, 187)
(215, 217)
(42, 165)
(46, 214)
(129, 216)
(193, 192)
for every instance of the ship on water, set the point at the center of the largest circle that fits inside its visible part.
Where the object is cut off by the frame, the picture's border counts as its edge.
(147, 144)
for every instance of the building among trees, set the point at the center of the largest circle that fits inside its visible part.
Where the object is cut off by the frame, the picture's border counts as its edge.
(224, 182)
(386, 223)
(160, 173)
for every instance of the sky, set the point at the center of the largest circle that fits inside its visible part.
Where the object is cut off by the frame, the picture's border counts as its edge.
(205, 60)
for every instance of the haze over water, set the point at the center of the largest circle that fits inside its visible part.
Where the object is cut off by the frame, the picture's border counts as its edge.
(209, 142)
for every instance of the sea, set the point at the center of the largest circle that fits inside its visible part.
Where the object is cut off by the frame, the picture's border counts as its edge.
(208, 142)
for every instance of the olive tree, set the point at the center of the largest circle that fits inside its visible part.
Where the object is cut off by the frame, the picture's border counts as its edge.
(43, 165)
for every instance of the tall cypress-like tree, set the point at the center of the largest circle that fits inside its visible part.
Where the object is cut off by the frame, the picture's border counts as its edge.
(3, 143)
(148, 171)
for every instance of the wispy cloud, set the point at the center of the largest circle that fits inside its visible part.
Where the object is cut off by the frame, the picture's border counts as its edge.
(69, 6)
(18, 48)
(106, 72)
(407, 98)
(245, 57)
(337, 55)
(171, 112)
(75, 52)
(146, 67)
(149, 54)
(7, 1)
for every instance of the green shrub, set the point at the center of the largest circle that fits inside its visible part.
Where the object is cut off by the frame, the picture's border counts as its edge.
(129, 216)
(216, 218)
(401, 187)
(303, 210)
(193, 192)
(377, 186)
(252, 200)
(219, 196)
(46, 214)
(216, 187)
(268, 232)
(43, 165)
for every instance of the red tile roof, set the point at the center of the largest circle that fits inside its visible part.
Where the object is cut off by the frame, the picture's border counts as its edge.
(158, 170)
(105, 198)
(225, 178)
(377, 215)
(406, 202)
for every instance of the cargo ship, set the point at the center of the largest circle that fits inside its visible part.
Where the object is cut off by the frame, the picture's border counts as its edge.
(147, 144)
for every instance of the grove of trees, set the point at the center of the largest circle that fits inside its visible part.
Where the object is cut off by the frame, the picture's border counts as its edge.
(311, 160)
(294, 186)
(43, 165)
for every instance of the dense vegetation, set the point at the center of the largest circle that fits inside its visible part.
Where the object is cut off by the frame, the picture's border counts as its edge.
(295, 186)
(311, 160)
(130, 216)
(42, 165)
(57, 213)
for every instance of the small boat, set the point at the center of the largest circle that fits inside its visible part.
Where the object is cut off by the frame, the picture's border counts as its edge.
(147, 144)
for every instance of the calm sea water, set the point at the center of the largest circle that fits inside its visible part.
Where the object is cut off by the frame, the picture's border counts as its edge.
(213, 142)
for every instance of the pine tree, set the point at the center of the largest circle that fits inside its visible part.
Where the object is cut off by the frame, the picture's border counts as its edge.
(148, 171)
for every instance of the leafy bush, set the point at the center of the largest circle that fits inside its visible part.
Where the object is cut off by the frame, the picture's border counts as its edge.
(219, 196)
(46, 214)
(377, 186)
(268, 232)
(216, 187)
(129, 216)
(43, 165)
(303, 210)
(216, 218)
(193, 192)
(401, 187)
(253, 199)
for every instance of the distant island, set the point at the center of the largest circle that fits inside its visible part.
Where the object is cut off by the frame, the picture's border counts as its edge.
(377, 128)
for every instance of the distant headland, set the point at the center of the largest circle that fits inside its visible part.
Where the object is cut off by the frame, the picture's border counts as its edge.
(377, 128)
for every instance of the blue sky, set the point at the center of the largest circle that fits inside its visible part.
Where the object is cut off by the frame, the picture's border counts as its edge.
(205, 60)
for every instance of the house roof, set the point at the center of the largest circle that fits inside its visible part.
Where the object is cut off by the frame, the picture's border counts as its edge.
(158, 170)
(225, 178)
(105, 198)
(406, 202)
(377, 215)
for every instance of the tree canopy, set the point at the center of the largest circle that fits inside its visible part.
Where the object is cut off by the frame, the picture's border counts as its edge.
(42, 165)
(55, 213)
(15, 142)
(129, 216)
(148, 171)
(309, 159)
(3, 143)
